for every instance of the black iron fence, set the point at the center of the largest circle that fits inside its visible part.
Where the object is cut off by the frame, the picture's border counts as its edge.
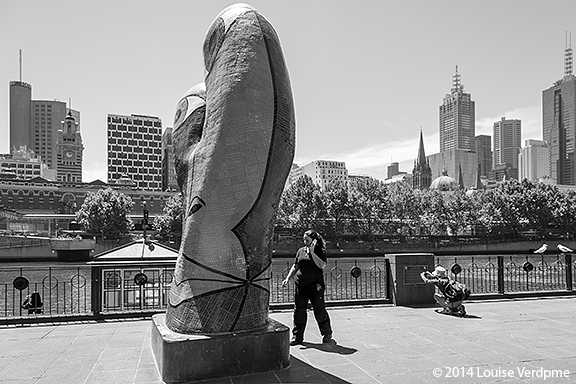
(511, 274)
(127, 287)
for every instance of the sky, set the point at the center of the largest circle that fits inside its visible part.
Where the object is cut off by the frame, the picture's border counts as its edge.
(367, 76)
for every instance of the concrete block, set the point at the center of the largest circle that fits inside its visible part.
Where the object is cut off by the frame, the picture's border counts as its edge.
(184, 358)
(406, 286)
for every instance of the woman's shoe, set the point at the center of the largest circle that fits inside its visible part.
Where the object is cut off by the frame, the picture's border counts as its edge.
(296, 340)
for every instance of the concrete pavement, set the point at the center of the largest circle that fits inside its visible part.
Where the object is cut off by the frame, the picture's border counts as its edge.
(499, 341)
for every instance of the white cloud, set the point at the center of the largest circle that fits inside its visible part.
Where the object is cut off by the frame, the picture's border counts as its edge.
(94, 170)
(531, 118)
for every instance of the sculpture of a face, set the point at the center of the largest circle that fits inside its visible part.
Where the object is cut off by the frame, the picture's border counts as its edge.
(233, 146)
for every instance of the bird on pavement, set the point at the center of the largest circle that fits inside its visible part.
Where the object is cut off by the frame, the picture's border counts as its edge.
(564, 248)
(542, 249)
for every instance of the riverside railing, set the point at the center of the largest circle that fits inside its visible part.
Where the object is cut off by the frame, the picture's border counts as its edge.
(125, 288)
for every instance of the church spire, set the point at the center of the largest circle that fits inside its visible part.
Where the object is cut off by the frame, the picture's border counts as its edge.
(422, 173)
(421, 159)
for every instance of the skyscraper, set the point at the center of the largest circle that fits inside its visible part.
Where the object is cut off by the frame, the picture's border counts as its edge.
(457, 118)
(36, 125)
(559, 124)
(135, 150)
(168, 173)
(507, 142)
(457, 136)
(20, 115)
(533, 161)
(484, 152)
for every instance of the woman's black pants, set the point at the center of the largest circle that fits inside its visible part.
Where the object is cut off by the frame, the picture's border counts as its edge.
(315, 294)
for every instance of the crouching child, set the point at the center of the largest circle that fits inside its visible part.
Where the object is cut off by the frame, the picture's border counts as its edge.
(449, 294)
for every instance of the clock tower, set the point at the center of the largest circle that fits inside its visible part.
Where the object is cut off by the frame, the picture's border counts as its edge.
(69, 151)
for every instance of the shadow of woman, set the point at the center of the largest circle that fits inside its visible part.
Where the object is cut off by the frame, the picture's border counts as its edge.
(331, 347)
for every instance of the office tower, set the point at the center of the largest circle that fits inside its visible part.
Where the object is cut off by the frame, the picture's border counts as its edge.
(457, 114)
(484, 152)
(135, 150)
(69, 151)
(507, 142)
(559, 124)
(47, 118)
(20, 115)
(421, 174)
(169, 181)
(534, 160)
(324, 173)
(392, 170)
(455, 162)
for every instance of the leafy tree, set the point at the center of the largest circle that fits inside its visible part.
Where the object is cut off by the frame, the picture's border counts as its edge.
(404, 208)
(106, 212)
(170, 222)
(301, 206)
(338, 209)
(367, 206)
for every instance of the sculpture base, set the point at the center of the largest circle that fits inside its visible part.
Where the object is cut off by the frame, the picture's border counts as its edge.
(183, 358)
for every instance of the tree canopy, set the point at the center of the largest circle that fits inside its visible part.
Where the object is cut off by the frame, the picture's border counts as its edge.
(367, 207)
(106, 212)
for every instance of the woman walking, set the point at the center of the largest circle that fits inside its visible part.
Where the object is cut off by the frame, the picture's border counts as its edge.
(308, 268)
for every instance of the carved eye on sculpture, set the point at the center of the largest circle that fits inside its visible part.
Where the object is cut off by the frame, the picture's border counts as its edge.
(213, 42)
(181, 110)
(196, 204)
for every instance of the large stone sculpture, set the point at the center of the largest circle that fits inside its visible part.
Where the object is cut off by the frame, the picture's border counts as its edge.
(233, 146)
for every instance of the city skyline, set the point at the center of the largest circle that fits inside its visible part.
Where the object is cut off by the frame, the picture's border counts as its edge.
(365, 78)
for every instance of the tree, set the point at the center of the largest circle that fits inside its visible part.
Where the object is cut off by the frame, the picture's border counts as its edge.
(106, 212)
(170, 222)
(367, 200)
(301, 206)
(338, 210)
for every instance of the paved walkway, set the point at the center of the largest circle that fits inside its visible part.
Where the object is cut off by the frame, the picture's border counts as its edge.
(500, 341)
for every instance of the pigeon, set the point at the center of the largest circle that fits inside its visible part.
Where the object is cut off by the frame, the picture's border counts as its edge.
(564, 249)
(542, 249)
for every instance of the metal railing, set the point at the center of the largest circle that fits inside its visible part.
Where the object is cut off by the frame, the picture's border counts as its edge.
(509, 274)
(134, 288)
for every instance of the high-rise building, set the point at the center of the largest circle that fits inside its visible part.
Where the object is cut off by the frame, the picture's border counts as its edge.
(35, 124)
(534, 160)
(457, 119)
(169, 181)
(507, 142)
(484, 152)
(20, 115)
(422, 173)
(135, 150)
(559, 124)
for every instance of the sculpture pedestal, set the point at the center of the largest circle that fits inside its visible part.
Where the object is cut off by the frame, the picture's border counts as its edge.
(183, 358)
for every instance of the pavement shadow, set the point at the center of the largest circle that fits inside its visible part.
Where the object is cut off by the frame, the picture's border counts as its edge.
(331, 347)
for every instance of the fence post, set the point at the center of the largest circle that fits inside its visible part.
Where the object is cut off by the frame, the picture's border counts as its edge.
(96, 294)
(500, 270)
(568, 261)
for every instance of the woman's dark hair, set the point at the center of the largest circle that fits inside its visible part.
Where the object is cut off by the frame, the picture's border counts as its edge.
(316, 236)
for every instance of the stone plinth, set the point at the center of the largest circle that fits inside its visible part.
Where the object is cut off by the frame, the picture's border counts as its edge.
(183, 358)
(407, 287)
